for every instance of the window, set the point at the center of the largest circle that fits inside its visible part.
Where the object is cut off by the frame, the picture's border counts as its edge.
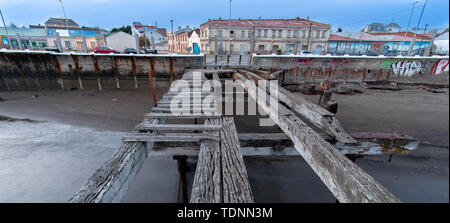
(67, 43)
(303, 33)
(280, 32)
(288, 34)
(274, 32)
(265, 32)
(259, 33)
(317, 33)
(220, 33)
(295, 33)
(231, 33)
(324, 34)
(242, 33)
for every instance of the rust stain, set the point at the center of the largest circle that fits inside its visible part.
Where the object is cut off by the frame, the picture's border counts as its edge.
(171, 69)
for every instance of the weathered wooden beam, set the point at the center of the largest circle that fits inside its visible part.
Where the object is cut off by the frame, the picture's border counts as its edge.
(167, 137)
(221, 175)
(190, 116)
(207, 185)
(236, 188)
(314, 113)
(181, 127)
(110, 182)
(346, 181)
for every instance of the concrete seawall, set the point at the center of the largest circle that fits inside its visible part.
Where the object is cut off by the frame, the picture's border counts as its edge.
(44, 70)
(35, 70)
(351, 68)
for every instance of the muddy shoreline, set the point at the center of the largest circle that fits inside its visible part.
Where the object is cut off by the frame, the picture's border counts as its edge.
(421, 176)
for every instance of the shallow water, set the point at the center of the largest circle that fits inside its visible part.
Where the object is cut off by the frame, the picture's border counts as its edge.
(49, 162)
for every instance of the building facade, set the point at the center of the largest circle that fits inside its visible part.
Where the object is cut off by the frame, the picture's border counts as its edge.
(178, 41)
(263, 36)
(120, 41)
(31, 38)
(374, 44)
(193, 38)
(150, 32)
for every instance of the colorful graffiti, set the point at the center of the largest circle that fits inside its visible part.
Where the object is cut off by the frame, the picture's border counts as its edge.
(441, 66)
(406, 68)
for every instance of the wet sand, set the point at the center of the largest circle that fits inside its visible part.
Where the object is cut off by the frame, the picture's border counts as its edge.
(421, 176)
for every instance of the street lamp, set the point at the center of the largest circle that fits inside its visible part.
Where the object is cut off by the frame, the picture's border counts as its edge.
(64, 12)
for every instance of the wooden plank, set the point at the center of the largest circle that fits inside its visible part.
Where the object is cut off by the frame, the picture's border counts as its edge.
(181, 127)
(314, 113)
(346, 181)
(110, 182)
(207, 185)
(167, 137)
(236, 188)
(190, 116)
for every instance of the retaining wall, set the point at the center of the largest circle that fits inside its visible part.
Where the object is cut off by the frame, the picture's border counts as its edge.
(35, 70)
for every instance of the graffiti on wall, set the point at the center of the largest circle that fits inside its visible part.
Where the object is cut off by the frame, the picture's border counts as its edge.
(441, 66)
(406, 68)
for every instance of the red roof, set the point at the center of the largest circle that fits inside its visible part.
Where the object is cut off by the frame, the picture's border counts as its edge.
(162, 31)
(265, 23)
(337, 37)
(140, 25)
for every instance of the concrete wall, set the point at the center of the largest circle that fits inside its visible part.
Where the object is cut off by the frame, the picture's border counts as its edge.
(43, 70)
(350, 68)
(34, 70)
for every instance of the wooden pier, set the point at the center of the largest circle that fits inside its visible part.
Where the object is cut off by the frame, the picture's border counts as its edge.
(221, 176)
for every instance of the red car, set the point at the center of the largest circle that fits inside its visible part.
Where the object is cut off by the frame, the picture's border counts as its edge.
(105, 49)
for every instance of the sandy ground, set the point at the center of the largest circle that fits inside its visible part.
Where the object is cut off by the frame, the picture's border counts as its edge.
(421, 176)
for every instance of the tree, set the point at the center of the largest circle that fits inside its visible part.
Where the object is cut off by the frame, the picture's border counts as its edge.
(339, 30)
(126, 29)
(143, 41)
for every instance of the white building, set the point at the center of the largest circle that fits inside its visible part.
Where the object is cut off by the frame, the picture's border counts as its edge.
(194, 37)
(120, 41)
(441, 44)
(149, 31)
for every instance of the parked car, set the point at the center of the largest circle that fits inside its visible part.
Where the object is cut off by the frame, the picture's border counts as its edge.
(151, 51)
(130, 51)
(306, 52)
(105, 49)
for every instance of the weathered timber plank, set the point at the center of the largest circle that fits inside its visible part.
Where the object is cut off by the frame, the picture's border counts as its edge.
(346, 181)
(181, 127)
(170, 115)
(236, 188)
(168, 137)
(314, 113)
(110, 182)
(207, 185)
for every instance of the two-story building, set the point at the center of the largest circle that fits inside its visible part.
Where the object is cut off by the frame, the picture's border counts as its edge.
(263, 36)
(178, 41)
(150, 32)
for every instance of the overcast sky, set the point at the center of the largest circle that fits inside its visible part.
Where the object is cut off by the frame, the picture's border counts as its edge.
(351, 15)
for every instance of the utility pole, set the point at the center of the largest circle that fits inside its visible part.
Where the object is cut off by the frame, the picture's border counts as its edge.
(6, 30)
(409, 22)
(411, 47)
(309, 35)
(173, 37)
(421, 42)
(64, 12)
(229, 41)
